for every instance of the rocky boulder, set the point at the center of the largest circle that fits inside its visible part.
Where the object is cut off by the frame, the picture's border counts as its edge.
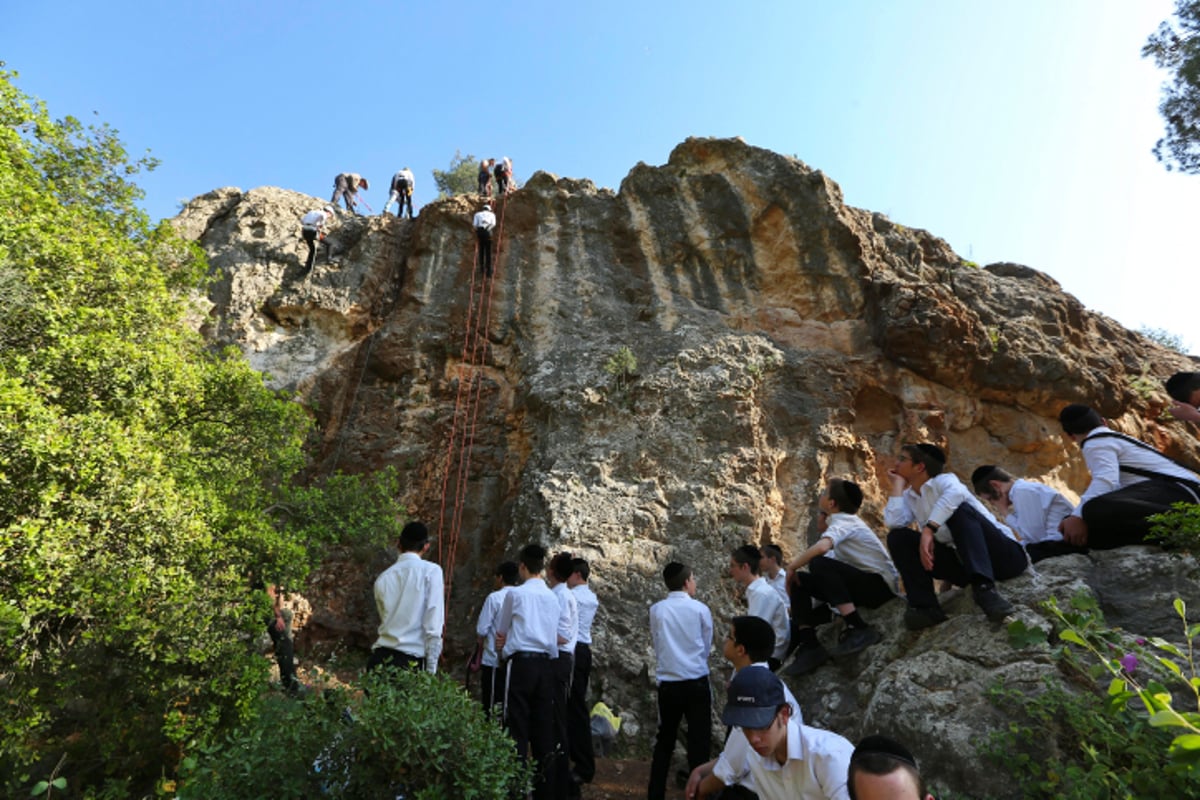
(780, 337)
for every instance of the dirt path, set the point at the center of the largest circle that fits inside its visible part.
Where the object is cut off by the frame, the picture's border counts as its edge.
(624, 780)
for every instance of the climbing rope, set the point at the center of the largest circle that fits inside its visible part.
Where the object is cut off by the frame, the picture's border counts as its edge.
(466, 405)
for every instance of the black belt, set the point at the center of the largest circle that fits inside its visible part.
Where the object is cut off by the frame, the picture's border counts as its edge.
(525, 654)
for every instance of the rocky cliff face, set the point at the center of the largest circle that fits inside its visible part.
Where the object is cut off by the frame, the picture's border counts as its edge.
(780, 337)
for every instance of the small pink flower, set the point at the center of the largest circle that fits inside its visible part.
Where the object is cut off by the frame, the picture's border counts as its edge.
(1129, 663)
(1140, 642)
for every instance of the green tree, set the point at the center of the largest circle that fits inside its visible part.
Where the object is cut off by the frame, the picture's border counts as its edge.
(460, 178)
(1162, 336)
(141, 476)
(1175, 47)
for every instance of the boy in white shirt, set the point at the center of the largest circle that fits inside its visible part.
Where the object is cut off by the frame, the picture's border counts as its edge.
(1034, 510)
(849, 566)
(763, 601)
(494, 671)
(959, 539)
(681, 630)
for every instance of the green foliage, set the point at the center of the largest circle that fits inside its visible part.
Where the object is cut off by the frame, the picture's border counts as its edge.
(1021, 635)
(136, 471)
(621, 365)
(410, 731)
(1175, 47)
(355, 510)
(461, 178)
(1164, 337)
(1069, 745)
(1179, 527)
(1110, 739)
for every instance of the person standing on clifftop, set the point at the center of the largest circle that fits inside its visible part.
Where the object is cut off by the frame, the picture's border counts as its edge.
(485, 221)
(346, 186)
(485, 176)
(401, 193)
(503, 174)
(312, 227)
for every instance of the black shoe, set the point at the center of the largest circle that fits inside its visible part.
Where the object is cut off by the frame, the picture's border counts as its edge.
(854, 640)
(995, 607)
(918, 618)
(807, 659)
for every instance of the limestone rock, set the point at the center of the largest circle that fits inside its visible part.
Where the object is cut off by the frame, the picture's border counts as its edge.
(781, 338)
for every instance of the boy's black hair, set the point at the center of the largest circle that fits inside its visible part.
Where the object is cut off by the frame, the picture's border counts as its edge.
(982, 477)
(509, 573)
(879, 755)
(756, 635)
(774, 551)
(1181, 385)
(748, 554)
(932, 457)
(581, 566)
(533, 556)
(675, 575)
(846, 494)
(560, 567)
(1077, 419)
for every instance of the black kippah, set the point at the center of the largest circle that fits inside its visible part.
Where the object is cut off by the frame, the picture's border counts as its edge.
(672, 570)
(934, 452)
(982, 473)
(888, 747)
(1073, 413)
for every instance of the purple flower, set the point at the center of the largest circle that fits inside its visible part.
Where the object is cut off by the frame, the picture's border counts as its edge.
(1129, 663)
(1140, 642)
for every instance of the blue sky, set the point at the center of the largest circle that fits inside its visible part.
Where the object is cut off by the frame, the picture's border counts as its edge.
(1018, 131)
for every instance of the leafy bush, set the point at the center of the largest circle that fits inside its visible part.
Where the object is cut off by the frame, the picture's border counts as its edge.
(621, 365)
(1120, 738)
(1179, 527)
(401, 731)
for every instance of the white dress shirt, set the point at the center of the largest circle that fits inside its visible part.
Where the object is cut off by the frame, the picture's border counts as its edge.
(779, 583)
(764, 602)
(568, 618)
(409, 596)
(529, 618)
(681, 629)
(1036, 511)
(485, 219)
(588, 604)
(816, 766)
(854, 543)
(939, 498)
(1106, 455)
(486, 627)
(314, 220)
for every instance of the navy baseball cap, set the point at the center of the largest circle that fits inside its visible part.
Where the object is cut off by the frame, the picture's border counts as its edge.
(754, 696)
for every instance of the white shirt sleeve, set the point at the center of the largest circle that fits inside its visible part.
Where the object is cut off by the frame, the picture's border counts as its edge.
(1105, 467)
(435, 620)
(897, 513)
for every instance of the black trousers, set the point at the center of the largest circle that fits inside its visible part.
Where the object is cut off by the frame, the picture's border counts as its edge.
(285, 657)
(501, 185)
(386, 656)
(1119, 517)
(981, 554)
(579, 728)
(1041, 550)
(492, 688)
(835, 582)
(529, 717)
(564, 670)
(485, 249)
(679, 700)
(485, 183)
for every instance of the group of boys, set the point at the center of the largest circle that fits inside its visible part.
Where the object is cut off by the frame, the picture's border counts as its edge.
(536, 635)
(768, 753)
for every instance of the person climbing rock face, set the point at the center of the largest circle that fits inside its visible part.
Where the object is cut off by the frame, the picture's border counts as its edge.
(485, 221)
